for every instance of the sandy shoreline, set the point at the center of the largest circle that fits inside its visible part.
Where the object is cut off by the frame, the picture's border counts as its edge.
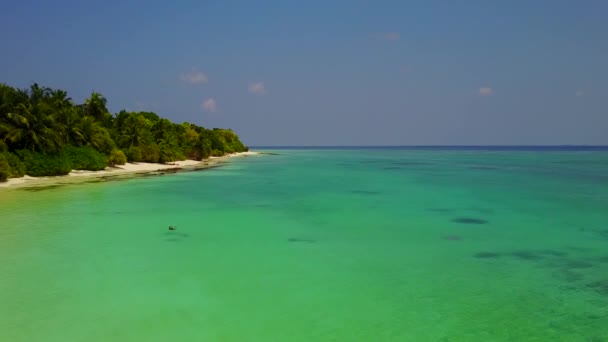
(128, 169)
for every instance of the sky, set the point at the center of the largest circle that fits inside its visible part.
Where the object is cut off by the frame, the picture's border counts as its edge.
(295, 73)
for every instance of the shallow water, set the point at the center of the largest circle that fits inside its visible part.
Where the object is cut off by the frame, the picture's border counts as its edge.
(307, 245)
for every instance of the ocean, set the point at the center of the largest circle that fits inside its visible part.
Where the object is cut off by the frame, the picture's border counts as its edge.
(318, 244)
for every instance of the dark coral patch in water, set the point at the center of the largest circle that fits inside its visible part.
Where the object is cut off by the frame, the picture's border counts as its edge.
(591, 232)
(109, 177)
(169, 171)
(115, 178)
(487, 255)
(578, 249)
(553, 253)
(600, 286)
(527, 255)
(149, 174)
(577, 264)
(41, 188)
(301, 240)
(469, 220)
(569, 276)
(207, 167)
(95, 181)
(603, 258)
(568, 265)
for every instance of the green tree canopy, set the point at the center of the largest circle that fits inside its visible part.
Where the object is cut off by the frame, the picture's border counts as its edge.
(45, 122)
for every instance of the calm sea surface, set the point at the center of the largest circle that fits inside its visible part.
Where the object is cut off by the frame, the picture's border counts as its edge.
(317, 245)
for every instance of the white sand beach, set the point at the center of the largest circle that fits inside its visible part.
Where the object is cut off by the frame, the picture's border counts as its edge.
(128, 168)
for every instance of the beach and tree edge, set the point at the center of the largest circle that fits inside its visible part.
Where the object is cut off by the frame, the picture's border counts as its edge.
(44, 133)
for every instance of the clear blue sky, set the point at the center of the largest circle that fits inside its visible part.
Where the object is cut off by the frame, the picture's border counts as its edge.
(329, 72)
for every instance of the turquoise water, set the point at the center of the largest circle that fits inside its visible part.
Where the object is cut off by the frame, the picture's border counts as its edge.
(306, 245)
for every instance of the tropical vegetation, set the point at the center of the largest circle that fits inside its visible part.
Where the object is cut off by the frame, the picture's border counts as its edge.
(44, 133)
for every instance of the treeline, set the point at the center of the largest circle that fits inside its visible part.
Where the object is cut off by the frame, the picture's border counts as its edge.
(44, 133)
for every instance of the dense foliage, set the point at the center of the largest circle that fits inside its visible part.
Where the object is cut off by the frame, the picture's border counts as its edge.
(85, 158)
(11, 165)
(5, 169)
(117, 157)
(43, 132)
(40, 164)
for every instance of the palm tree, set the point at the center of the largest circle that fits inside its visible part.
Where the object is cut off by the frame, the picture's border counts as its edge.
(167, 151)
(69, 126)
(92, 133)
(29, 128)
(135, 131)
(59, 99)
(4, 129)
(9, 98)
(38, 93)
(162, 129)
(95, 106)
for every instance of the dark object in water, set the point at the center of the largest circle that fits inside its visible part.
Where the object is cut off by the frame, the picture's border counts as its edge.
(469, 220)
(487, 255)
(172, 228)
(301, 240)
(452, 237)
